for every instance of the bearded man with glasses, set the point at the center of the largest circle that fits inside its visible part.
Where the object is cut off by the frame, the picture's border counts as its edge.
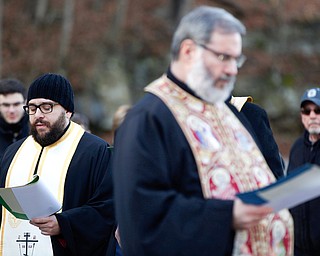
(74, 165)
(14, 123)
(182, 154)
(306, 149)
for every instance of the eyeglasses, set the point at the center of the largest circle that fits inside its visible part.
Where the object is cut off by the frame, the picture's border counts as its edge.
(240, 60)
(45, 108)
(307, 111)
(8, 105)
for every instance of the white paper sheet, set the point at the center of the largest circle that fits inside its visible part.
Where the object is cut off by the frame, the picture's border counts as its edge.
(29, 201)
(300, 186)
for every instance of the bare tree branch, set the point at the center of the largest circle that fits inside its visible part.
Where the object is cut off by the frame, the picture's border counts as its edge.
(41, 9)
(67, 26)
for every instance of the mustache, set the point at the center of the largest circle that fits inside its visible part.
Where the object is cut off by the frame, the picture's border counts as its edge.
(227, 78)
(314, 122)
(39, 121)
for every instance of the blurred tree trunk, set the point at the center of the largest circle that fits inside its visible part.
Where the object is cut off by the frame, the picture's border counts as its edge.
(67, 26)
(1, 32)
(119, 20)
(278, 49)
(179, 8)
(41, 9)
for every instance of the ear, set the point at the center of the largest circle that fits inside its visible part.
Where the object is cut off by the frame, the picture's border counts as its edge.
(188, 50)
(69, 114)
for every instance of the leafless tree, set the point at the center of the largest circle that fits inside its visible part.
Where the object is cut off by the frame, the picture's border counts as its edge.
(41, 9)
(180, 8)
(67, 26)
(120, 16)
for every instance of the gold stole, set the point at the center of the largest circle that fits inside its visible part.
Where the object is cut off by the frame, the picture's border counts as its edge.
(228, 162)
(18, 237)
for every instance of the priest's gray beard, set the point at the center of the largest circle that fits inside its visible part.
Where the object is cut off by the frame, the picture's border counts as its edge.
(56, 130)
(201, 82)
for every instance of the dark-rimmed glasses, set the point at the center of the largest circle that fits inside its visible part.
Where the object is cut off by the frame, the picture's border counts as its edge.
(45, 108)
(307, 111)
(240, 60)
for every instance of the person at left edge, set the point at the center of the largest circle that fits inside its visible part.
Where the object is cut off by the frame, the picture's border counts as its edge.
(73, 164)
(14, 123)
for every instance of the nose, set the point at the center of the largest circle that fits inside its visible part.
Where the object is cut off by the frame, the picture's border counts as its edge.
(231, 68)
(313, 114)
(12, 108)
(38, 113)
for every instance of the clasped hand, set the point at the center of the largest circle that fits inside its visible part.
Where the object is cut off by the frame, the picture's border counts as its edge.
(48, 226)
(247, 215)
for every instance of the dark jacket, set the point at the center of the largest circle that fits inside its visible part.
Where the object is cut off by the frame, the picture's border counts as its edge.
(306, 215)
(10, 133)
(259, 121)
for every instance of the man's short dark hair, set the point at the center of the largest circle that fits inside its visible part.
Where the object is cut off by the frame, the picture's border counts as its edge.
(12, 85)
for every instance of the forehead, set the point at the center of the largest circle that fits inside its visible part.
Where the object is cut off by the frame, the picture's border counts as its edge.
(226, 41)
(11, 97)
(40, 100)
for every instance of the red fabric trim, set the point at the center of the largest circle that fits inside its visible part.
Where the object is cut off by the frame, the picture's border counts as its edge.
(63, 242)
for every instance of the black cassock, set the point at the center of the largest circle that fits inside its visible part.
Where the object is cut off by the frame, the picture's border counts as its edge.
(159, 202)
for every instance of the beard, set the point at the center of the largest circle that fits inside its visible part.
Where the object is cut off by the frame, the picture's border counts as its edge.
(201, 82)
(314, 131)
(55, 131)
(313, 127)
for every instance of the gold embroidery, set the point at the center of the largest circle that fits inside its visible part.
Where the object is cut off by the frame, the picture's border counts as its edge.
(13, 221)
(228, 162)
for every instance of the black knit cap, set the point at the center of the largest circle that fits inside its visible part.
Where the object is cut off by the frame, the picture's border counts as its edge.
(53, 87)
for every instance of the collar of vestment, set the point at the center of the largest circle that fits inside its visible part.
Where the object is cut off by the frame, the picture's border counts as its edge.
(238, 102)
(228, 162)
(17, 235)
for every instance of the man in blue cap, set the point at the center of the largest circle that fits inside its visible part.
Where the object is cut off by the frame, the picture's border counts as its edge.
(306, 149)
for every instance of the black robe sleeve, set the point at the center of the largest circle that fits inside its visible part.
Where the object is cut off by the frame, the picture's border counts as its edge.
(259, 121)
(87, 219)
(159, 202)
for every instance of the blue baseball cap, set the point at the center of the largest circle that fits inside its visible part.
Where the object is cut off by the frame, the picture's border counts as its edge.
(312, 95)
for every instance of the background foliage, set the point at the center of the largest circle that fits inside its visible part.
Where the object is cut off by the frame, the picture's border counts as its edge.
(110, 50)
